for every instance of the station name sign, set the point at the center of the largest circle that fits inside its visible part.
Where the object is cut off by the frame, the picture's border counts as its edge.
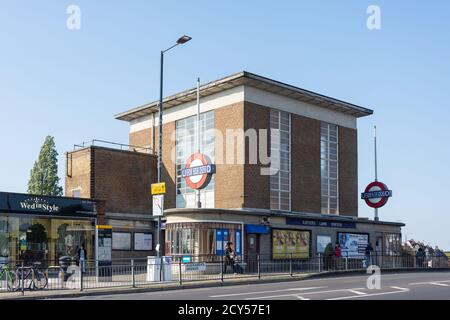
(376, 194)
(320, 223)
(206, 169)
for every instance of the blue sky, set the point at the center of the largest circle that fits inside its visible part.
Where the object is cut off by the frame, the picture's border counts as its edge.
(69, 84)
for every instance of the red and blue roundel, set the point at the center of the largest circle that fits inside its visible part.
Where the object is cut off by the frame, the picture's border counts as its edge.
(198, 171)
(376, 194)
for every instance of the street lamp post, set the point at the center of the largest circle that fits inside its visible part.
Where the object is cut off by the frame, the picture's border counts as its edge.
(182, 40)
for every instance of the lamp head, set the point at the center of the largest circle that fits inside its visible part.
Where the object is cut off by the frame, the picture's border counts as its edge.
(183, 39)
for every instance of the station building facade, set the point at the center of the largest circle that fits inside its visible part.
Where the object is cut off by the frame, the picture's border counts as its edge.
(311, 199)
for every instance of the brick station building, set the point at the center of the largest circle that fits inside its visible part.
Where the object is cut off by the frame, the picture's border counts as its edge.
(312, 199)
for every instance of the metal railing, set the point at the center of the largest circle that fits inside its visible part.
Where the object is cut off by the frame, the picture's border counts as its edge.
(16, 276)
(121, 146)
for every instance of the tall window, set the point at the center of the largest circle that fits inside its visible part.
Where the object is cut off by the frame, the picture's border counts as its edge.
(329, 168)
(280, 183)
(185, 147)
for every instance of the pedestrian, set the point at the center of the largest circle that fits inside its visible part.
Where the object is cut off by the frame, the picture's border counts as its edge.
(229, 257)
(420, 255)
(368, 251)
(82, 255)
(328, 256)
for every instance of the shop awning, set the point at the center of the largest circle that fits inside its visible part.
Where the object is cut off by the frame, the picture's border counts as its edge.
(257, 229)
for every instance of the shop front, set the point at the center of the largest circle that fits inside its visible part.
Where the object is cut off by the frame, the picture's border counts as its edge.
(203, 240)
(275, 236)
(45, 229)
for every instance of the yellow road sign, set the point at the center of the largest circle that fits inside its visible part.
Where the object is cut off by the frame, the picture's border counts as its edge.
(159, 188)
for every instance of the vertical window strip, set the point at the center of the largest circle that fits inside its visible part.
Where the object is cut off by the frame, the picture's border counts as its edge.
(185, 146)
(280, 183)
(329, 169)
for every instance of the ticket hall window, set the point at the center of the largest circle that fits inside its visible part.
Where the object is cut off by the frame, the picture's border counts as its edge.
(185, 147)
(329, 168)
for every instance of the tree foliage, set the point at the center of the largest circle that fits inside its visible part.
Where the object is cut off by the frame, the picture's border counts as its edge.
(44, 178)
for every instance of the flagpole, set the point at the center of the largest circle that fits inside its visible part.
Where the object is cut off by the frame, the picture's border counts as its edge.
(199, 203)
(376, 164)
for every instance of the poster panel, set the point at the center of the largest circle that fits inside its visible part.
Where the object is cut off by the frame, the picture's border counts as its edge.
(287, 242)
(121, 241)
(322, 242)
(353, 245)
(143, 241)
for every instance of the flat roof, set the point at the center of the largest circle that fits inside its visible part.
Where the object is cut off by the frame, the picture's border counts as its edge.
(253, 80)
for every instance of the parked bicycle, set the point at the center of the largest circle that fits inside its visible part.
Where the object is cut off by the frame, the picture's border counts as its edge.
(8, 275)
(32, 278)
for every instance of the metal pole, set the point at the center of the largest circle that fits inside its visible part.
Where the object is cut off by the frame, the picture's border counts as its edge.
(81, 276)
(199, 203)
(133, 280)
(376, 164)
(221, 274)
(181, 275)
(290, 266)
(23, 289)
(160, 131)
(259, 265)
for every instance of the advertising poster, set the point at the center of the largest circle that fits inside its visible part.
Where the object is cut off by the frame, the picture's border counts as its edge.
(286, 242)
(353, 245)
(322, 242)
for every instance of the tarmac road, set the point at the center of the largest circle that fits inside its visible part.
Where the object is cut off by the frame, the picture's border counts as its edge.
(394, 286)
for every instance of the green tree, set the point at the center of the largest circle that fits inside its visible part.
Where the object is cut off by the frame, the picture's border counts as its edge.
(44, 178)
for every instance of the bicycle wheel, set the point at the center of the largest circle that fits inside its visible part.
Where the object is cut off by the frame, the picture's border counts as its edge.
(13, 281)
(40, 280)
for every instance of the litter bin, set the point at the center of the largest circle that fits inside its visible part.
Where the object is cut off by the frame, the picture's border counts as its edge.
(154, 272)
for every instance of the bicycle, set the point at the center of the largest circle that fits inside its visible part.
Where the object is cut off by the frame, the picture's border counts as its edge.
(10, 277)
(32, 277)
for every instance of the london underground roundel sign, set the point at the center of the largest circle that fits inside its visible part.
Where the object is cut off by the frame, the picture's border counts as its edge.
(198, 171)
(376, 194)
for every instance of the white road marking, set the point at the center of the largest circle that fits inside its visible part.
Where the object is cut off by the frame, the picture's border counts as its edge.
(302, 298)
(438, 283)
(400, 290)
(356, 292)
(303, 294)
(259, 292)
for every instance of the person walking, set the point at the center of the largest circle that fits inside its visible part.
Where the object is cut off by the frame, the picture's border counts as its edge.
(229, 257)
(82, 255)
(420, 255)
(328, 256)
(369, 250)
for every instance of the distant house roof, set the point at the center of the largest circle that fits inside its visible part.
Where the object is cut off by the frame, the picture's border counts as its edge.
(253, 80)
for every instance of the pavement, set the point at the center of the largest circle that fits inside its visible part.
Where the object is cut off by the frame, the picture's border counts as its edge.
(394, 286)
(432, 284)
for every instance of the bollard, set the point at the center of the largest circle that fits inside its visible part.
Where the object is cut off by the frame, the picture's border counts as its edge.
(133, 280)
